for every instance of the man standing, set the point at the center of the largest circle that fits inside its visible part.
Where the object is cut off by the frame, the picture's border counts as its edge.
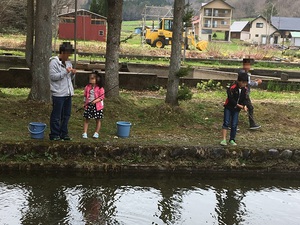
(61, 75)
(251, 83)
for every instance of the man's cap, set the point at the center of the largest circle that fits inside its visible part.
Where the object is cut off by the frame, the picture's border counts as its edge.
(248, 60)
(66, 47)
(243, 76)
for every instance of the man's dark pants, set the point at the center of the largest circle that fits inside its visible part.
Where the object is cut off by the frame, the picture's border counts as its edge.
(59, 119)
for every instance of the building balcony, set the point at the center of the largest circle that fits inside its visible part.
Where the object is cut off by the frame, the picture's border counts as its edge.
(221, 27)
(221, 15)
(216, 26)
(217, 14)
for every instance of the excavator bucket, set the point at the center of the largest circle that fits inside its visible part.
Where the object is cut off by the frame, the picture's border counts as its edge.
(201, 45)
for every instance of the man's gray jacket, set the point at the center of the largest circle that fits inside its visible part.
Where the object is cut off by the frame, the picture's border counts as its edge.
(60, 80)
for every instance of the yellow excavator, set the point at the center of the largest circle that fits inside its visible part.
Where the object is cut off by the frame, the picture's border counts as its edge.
(163, 36)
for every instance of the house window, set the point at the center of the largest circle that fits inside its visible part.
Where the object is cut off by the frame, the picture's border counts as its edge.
(67, 19)
(215, 24)
(207, 23)
(97, 21)
(256, 35)
(101, 32)
(216, 12)
(223, 22)
(207, 12)
(259, 25)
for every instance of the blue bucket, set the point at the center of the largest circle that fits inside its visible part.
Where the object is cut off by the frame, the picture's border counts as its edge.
(36, 130)
(123, 129)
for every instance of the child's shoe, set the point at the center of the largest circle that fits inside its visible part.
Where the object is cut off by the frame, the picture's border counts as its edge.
(96, 135)
(232, 142)
(223, 142)
(84, 135)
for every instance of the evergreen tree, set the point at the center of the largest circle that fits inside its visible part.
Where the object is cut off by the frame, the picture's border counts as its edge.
(99, 7)
(103, 7)
(270, 10)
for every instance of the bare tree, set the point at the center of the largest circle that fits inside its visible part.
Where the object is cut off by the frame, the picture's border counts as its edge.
(175, 62)
(12, 16)
(40, 89)
(30, 33)
(59, 7)
(114, 20)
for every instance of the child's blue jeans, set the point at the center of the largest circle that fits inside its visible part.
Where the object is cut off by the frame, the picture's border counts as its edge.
(231, 118)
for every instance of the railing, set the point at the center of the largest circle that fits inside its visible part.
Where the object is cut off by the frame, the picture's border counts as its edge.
(216, 26)
(222, 15)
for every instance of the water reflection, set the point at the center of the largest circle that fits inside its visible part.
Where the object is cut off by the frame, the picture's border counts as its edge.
(129, 199)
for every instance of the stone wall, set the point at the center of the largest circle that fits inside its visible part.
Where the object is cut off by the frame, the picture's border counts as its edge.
(105, 157)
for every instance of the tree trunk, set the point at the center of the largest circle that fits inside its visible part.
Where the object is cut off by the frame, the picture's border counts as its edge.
(40, 89)
(30, 32)
(175, 61)
(114, 20)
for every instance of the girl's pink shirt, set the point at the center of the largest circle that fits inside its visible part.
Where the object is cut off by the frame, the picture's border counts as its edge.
(99, 93)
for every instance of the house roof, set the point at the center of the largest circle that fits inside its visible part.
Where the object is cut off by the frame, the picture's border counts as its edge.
(238, 26)
(295, 34)
(81, 11)
(260, 16)
(206, 4)
(286, 23)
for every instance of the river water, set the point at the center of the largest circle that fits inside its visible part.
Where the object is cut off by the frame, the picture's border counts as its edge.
(145, 199)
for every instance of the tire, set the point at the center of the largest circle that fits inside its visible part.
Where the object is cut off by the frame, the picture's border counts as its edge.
(158, 43)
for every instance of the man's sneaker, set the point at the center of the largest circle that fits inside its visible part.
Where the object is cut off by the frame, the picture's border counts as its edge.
(96, 135)
(223, 142)
(255, 127)
(84, 135)
(54, 138)
(66, 138)
(232, 142)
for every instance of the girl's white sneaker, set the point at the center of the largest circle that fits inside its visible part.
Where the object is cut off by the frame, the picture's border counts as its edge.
(96, 135)
(84, 135)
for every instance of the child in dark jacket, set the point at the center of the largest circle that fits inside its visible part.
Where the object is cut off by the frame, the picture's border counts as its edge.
(236, 101)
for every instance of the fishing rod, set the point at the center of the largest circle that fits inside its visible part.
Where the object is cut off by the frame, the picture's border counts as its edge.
(86, 104)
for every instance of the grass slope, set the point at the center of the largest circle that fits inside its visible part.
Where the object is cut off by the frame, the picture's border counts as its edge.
(194, 122)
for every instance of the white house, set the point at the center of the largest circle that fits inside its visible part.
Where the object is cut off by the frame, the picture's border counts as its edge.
(295, 39)
(286, 26)
(240, 30)
(262, 32)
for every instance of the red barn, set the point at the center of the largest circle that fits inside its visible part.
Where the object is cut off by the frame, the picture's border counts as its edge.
(90, 26)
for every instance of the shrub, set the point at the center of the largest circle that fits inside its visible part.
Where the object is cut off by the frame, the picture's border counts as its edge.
(184, 71)
(184, 93)
(209, 85)
(279, 86)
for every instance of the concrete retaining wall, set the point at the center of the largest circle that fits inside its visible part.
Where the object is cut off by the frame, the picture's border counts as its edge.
(135, 76)
(18, 77)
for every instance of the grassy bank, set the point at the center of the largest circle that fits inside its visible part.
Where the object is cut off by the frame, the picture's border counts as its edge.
(194, 122)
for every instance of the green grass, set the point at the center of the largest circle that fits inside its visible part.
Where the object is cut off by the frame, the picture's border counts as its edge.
(129, 26)
(194, 122)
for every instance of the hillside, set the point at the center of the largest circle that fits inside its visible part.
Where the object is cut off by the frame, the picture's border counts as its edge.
(132, 9)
